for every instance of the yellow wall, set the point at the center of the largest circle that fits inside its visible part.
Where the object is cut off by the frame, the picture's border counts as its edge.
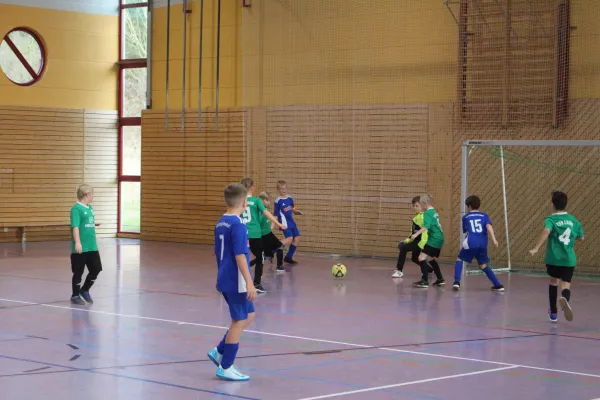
(585, 49)
(352, 52)
(82, 50)
(230, 68)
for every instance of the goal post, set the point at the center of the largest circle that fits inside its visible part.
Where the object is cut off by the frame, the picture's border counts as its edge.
(514, 179)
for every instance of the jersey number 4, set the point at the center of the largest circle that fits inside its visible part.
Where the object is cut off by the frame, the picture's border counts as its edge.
(565, 238)
(476, 225)
(246, 216)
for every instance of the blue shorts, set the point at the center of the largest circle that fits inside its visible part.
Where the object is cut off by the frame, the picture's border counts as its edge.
(291, 232)
(467, 255)
(239, 305)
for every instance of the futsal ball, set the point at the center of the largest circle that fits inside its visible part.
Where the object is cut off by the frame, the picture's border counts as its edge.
(339, 270)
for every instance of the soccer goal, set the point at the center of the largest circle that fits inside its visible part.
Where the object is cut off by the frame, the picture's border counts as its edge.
(514, 179)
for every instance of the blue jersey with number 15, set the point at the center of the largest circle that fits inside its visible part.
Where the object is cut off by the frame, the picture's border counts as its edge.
(474, 225)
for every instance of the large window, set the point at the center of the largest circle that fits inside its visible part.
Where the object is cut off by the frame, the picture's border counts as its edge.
(133, 79)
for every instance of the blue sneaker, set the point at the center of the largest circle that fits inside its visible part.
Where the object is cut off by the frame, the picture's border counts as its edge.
(215, 356)
(77, 300)
(231, 374)
(86, 296)
(553, 317)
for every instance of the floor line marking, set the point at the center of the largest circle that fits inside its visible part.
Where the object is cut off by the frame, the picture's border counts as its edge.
(306, 338)
(339, 394)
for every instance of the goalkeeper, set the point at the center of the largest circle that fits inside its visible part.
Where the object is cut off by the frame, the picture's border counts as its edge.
(412, 246)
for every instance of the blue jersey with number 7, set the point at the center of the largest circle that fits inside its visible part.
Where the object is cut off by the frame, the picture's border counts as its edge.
(474, 224)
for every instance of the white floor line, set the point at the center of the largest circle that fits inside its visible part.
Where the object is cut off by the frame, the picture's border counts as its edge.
(435, 355)
(328, 396)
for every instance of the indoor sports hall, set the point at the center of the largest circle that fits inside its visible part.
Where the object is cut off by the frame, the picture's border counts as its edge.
(359, 106)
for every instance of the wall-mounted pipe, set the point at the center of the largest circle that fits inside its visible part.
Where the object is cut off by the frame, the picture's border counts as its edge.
(185, 14)
(167, 69)
(218, 64)
(200, 65)
(149, 57)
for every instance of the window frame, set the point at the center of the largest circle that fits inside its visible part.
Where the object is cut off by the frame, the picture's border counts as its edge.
(124, 64)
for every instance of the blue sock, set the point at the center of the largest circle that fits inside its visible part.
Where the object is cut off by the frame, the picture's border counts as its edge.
(458, 267)
(229, 354)
(491, 276)
(291, 252)
(221, 346)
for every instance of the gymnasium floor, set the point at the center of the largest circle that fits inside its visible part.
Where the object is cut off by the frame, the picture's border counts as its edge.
(366, 336)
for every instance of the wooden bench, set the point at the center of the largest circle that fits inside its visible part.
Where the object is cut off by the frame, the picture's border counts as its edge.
(22, 227)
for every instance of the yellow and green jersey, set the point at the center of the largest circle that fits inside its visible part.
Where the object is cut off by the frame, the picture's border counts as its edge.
(417, 224)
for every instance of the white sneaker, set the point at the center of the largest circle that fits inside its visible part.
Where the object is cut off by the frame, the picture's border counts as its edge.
(231, 374)
(398, 274)
(566, 308)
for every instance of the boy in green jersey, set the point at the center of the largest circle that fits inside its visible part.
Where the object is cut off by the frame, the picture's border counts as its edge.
(409, 245)
(84, 249)
(252, 217)
(270, 242)
(433, 247)
(562, 230)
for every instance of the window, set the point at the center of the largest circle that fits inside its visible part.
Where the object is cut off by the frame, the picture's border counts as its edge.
(22, 56)
(133, 80)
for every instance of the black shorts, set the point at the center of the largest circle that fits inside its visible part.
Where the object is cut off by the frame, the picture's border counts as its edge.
(565, 274)
(271, 243)
(257, 247)
(431, 251)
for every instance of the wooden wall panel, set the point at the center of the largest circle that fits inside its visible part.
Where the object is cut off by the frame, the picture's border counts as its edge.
(184, 173)
(45, 156)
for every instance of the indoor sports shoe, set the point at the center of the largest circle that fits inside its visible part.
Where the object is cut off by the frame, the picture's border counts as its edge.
(398, 274)
(260, 289)
(215, 356)
(77, 300)
(499, 288)
(421, 284)
(231, 374)
(439, 282)
(280, 269)
(552, 317)
(456, 286)
(86, 296)
(566, 308)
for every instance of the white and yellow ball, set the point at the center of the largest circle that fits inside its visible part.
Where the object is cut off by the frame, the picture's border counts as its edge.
(339, 270)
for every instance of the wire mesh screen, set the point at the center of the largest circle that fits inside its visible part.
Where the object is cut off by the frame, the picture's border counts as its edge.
(531, 174)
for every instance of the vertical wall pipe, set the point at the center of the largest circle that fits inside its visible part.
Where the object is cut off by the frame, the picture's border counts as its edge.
(185, 13)
(218, 64)
(168, 59)
(200, 65)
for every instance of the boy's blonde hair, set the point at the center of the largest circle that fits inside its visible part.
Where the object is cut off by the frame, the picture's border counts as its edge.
(281, 183)
(235, 194)
(265, 196)
(426, 198)
(247, 182)
(83, 190)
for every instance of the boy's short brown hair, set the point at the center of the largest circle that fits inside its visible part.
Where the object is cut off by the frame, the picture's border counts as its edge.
(247, 182)
(281, 183)
(416, 199)
(234, 194)
(265, 196)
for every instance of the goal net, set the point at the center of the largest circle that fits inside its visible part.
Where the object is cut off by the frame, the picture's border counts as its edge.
(515, 178)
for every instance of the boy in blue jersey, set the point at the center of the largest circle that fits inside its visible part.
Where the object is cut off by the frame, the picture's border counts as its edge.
(285, 209)
(233, 280)
(478, 227)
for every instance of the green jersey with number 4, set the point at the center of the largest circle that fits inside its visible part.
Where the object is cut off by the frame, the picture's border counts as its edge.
(252, 217)
(435, 234)
(564, 230)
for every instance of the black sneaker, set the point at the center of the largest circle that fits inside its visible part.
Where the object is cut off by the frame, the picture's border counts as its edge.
(421, 284)
(439, 282)
(498, 288)
(280, 269)
(456, 286)
(260, 289)
(290, 261)
(77, 300)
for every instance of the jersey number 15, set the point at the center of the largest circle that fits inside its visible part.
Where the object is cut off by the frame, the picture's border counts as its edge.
(476, 225)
